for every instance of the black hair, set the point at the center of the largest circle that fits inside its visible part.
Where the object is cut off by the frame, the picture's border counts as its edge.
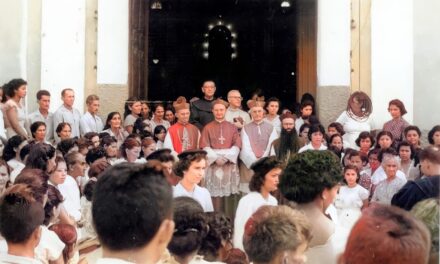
(191, 227)
(335, 151)
(110, 117)
(302, 127)
(184, 163)
(352, 167)
(316, 128)
(143, 198)
(9, 152)
(90, 135)
(261, 167)
(157, 130)
(384, 133)
(39, 155)
(107, 141)
(95, 154)
(65, 145)
(431, 134)
(54, 199)
(20, 214)
(25, 150)
(220, 229)
(415, 128)
(34, 127)
(61, 126)
(406, 144)
(338, 127)
(308, 174)
(42, 93)
(155, 106)
(387, 151)
(364, 135)
(12, 86)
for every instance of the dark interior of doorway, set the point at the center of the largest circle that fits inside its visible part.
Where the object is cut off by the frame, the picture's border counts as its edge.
(265, 38)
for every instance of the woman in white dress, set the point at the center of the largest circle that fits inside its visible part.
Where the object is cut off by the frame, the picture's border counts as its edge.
(191, 167)
(311, 179)
(351, 198)
(264, 181)
(15, 113)
(356, 118)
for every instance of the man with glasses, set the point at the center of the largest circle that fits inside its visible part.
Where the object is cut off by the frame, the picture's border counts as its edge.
(234, 114)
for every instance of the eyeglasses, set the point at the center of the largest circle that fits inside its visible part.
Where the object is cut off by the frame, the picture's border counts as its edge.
(235, 97)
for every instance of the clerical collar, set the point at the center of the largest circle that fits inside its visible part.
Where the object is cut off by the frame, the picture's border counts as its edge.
(219, 121)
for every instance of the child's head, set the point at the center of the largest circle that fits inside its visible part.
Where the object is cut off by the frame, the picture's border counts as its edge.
(356, 160)
(373, 159)
(365, 140)
(384, 140)
(306, 109)
(351, 175)
(335, 128)
(406, 151)
(336, 141)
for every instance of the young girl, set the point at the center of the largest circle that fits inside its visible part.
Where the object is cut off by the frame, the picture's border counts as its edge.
(412, 135)
(384, 140)
(351, 198)
(365, 142)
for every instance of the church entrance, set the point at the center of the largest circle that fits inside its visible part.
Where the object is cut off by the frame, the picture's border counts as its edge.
(249, 45)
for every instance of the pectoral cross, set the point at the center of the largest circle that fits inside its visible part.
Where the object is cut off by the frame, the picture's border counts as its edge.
(221, 139)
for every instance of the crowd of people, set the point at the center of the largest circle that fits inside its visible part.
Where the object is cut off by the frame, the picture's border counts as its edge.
(209, 180)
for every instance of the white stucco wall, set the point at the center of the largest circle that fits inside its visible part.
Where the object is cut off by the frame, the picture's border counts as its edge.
(392, 57)
(112, 42)
(63, 49)
(426, 63)
(13, 29)
(333, 43)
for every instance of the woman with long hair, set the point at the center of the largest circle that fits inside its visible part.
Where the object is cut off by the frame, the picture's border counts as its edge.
(114, 129)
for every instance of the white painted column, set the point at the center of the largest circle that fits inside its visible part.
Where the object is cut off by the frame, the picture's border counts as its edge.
(63, 49)
(392, 57)
(426, 63)
(112, 42)
(333, 55)
(333, 43)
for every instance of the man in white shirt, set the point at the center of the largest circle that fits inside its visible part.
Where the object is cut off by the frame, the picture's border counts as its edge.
(234, 114)
(42, 115)
(90, 121)
(66, 113)
(132, 213)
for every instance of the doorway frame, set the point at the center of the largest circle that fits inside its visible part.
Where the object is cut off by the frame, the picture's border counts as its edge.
(307, 21)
